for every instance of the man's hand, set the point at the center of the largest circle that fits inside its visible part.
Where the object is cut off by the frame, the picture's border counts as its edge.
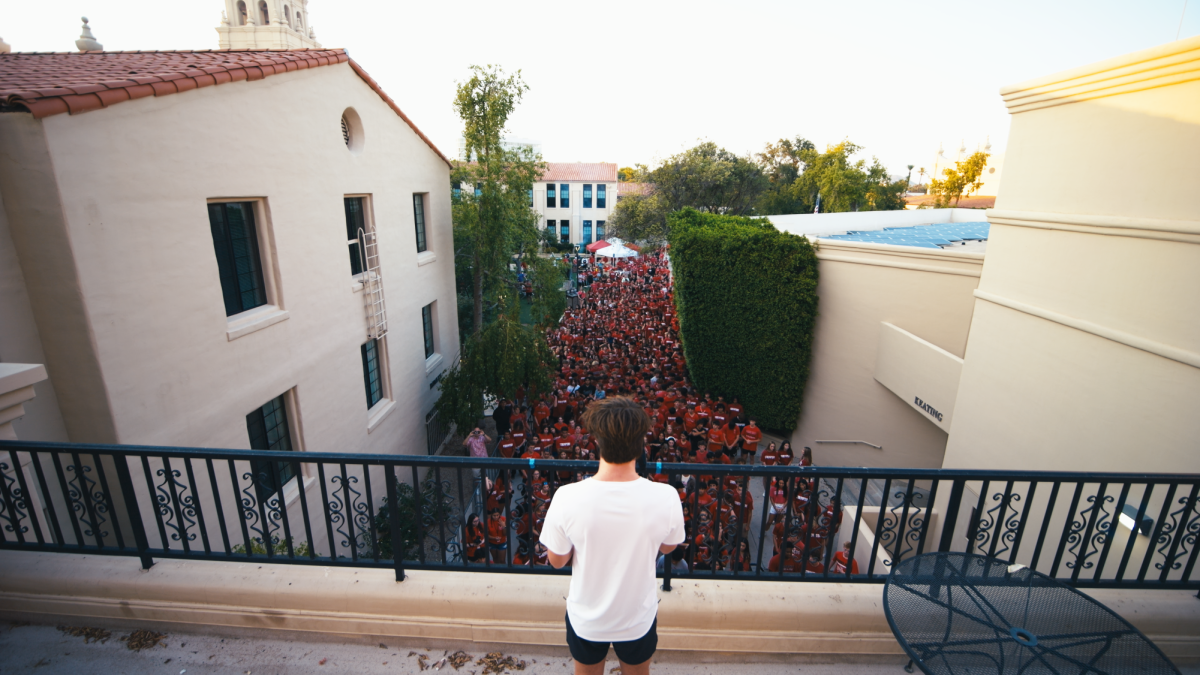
(560, 561)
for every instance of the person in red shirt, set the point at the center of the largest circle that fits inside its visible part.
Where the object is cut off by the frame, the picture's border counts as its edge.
(733, 440)
(751, 435)
(563, 444)
(841, 559)
(507, 445)
(735, 409)
(785, 453)
(519, 435)
(806, 457)
(716, 439)
(546, 439)
(770, 456)
(541, 412)
(720, 416)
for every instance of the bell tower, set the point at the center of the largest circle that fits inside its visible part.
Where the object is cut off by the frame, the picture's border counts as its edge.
(266, 24)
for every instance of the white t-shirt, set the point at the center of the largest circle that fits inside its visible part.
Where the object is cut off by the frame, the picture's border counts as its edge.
(615, 529)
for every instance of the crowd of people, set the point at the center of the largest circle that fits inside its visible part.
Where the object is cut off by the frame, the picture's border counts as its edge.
(623, 340)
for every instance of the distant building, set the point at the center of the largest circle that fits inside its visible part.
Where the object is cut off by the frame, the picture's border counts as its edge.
(575, 200)
(508, 143)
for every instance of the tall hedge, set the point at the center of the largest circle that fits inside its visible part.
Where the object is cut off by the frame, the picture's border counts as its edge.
(746, 295)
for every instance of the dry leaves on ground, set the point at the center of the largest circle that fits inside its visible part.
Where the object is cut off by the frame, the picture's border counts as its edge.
(143, 639)
(421, 660)
(496, 663)
(88, 634)
(459, 659)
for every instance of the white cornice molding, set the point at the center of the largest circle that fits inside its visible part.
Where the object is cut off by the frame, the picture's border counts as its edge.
(1160, 66)
(1128, 339)
(1184, 231)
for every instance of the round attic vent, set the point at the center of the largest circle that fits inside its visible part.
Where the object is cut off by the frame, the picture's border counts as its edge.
(352, 131)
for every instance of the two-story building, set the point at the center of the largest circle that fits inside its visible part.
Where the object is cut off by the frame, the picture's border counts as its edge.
(575, 200)
(233, 249)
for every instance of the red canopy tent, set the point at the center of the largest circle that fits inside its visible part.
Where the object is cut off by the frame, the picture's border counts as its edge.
(592, 248)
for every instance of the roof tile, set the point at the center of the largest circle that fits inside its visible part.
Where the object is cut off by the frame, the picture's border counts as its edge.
(53, 83)
(580, 171)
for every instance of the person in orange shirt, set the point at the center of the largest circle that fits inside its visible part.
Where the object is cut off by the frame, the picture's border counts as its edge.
(497, 536)
(751, 435)
(519, 435)
(541, 412)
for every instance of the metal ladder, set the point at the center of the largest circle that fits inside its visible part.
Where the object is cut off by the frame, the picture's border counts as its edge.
(368, 246)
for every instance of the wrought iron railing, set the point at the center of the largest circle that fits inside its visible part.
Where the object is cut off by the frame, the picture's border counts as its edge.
(412, 512)
(437, 428)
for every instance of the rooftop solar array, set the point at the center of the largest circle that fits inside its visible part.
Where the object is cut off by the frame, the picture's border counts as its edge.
(938, 235)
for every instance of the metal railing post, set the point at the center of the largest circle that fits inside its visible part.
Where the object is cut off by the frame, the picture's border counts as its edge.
(394, 521)
(133, 511)
(952, 507)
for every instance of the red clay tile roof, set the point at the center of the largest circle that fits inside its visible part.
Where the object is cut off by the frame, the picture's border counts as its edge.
(602, 172)
(51, 83)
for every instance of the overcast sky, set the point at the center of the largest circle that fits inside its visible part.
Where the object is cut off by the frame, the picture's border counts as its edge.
(633, 82)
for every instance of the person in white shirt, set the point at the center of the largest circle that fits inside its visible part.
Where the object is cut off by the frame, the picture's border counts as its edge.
(610, 529)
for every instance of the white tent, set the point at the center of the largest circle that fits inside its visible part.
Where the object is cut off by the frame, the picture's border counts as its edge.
(616, 251)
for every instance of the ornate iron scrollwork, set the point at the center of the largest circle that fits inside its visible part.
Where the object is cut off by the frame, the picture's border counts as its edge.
(80, 486)
(186, 503)
(1100, 534)
(20, 511)
(1191, 524)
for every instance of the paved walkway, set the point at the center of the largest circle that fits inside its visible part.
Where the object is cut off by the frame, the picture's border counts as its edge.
(45, 650)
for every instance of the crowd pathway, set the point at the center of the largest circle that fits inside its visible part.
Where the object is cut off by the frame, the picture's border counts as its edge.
(46, 650)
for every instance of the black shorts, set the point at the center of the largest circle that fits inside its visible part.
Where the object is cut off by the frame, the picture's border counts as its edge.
(633, 652)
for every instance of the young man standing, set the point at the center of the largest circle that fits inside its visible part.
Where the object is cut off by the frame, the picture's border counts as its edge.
(610, 529)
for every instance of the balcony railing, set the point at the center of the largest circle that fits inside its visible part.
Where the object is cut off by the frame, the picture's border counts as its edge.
(411, 512)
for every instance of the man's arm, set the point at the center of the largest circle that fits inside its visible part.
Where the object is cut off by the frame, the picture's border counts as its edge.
(560, 561)
(666, 549)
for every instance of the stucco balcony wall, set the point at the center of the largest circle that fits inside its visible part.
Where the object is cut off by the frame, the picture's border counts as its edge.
(823, 619)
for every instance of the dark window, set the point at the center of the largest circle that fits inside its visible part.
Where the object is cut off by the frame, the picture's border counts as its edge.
(455, 191)
(564, 196)
(587, 196)
(565, 229)
(550, 225)
(427, 327)
(531, 198)
(599, 230)
(268, 429)
(601, 197)
(355, 221)
(371, 379)
(550, 196)
(587, 232)
(238, 263)
(479, 189)
(419, 219)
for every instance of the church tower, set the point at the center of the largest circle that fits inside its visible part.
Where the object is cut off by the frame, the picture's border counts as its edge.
(266, 24)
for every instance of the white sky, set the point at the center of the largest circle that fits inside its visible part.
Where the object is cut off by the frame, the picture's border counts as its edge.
(636, 82)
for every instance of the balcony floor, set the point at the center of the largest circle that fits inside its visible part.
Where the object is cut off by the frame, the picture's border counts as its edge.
(46, 649)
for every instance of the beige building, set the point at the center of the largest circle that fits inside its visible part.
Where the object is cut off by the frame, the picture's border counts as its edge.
(1073, 343)
(285, 282)
(574, 200)
(266, 24)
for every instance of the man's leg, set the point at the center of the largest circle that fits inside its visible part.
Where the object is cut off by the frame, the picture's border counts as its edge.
(594, 669)
(626, 669)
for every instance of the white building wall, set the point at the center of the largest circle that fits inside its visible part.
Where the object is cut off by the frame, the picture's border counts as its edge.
(575, 212)
(134, 181)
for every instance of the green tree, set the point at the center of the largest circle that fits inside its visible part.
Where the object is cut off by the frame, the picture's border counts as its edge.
(844, 184)
(783, 163)
(958, 182)
(495, 234)
(626, 173)
(707, 178)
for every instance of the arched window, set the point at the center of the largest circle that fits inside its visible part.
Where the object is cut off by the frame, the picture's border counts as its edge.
(241, 13)
(262, 11)
(287, 16)
(299, 22)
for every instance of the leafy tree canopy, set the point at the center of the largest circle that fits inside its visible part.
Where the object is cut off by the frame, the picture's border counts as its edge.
(958, 182)
(495, 234)
(707, 178)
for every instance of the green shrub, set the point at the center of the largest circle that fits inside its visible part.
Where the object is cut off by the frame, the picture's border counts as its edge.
(433, 517)
(279, 547)
(747, 301)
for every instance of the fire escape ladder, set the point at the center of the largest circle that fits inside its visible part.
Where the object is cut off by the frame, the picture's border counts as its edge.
(368, 245)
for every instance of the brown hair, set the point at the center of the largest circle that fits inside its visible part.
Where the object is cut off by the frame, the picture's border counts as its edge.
(620, 427)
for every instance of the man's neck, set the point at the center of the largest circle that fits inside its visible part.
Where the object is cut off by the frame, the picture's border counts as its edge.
(616, 473)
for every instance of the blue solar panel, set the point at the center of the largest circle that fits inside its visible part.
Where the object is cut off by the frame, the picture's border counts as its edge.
(923, 236)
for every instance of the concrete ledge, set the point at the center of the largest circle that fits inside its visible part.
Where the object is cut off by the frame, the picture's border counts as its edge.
(816, 619)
